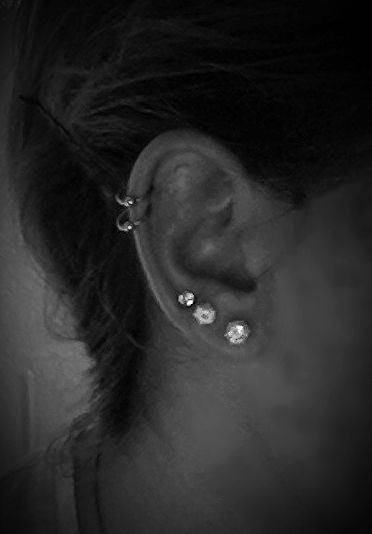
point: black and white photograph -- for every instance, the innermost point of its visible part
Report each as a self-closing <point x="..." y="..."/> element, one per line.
<point x="185" y="267"/>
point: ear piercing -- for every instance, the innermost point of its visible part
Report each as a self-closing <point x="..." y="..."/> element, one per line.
<point x="122" y="222"/>
<point x="186" y="299"/>
<point x="127" y="201"/>
<point x="205" y="314"/>
<point x="236" y="333"/>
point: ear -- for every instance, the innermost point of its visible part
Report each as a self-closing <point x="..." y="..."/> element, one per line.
<point x="208" y="228"/>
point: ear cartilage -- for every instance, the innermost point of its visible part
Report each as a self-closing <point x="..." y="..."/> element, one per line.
<point x="237" y="332"/>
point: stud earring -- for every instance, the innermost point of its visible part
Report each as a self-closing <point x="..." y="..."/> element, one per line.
<point x="187" y="299"/>
<point x="205" y="314"/>
<point x="127" y="201"/>
<point x="237" y="332"/>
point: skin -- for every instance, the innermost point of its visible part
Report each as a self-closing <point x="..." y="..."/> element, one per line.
<point x="272" y="436"/>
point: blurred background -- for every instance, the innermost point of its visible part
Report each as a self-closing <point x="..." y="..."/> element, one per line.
<point x="43" y="381"/>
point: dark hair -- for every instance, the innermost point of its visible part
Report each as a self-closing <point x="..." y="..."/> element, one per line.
<point x="283" y="84"/>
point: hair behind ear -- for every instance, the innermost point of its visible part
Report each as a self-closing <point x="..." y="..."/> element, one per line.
<point x="266" y="79"/>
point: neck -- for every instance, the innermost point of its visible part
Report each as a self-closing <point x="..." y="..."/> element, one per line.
<point x="192" y="455"/>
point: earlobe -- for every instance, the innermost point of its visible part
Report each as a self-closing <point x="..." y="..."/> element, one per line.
<point x="237" y="332"/>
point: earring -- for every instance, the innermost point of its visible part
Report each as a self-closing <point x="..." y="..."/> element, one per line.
<point x="237" y="332"/>
<point x="204" y="313"/>
<point x="127" y="201"/>
<point x="126" y="225"/>
<point x="187" y="299"/>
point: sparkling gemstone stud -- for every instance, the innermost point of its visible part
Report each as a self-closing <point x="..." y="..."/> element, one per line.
<point x="187" y="299"/>
<point x="205" y="314"/>
<point x="237" y="332"/>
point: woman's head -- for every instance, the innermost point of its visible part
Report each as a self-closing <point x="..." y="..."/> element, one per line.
<point x="253" y="124"/>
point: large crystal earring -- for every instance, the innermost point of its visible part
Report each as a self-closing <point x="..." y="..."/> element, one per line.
<point x="237" y="332"/>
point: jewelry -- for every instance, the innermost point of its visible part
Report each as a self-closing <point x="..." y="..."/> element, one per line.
<point x="187" y="299"/>
<point x="237" y="332"/>
<point x="127" y="201"/>
<point x="123" y="223"/>
<point x="205" y="314"/>
<point x="126" y="225"/>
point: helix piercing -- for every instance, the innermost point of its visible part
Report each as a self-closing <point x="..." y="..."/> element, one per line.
<point x="122" y="222"/>
<point x="126" y="225"/>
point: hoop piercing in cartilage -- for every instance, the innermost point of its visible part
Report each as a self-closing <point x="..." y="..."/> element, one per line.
<point x="128" y="201"/>
<point x="127" y="225"/>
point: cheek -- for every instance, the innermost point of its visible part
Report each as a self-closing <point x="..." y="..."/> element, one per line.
<point x="324" y="303"/>
<point x="324" y="296"/>
<point x="315" y="387"/>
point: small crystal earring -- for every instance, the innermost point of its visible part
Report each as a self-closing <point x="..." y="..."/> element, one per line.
<point x="205" y="314"/>
<point x="187" y="299"/>
<point x="237" y="332"/>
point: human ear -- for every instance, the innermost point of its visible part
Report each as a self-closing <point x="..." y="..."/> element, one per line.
<point x="206" y="229"/>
